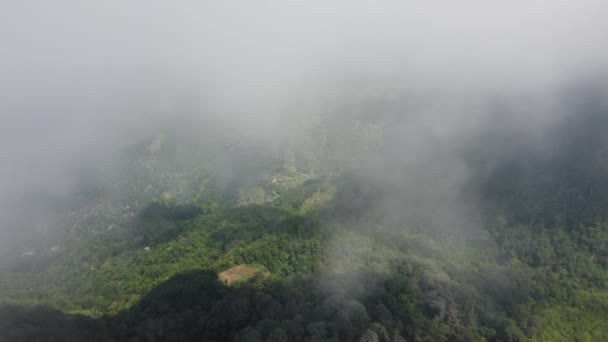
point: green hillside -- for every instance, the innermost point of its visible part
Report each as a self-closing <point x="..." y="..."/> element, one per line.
<point x="138" y="259"/>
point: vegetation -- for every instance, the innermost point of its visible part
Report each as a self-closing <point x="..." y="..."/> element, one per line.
<point x="144" y="265"/>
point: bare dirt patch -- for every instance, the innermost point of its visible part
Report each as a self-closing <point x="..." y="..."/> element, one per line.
<point x="240" y="273"/>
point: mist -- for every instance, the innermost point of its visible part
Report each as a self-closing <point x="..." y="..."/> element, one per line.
<point x="81" y="83"/>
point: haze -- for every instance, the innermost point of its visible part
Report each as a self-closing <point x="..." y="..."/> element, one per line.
<point x="80" y="82"/>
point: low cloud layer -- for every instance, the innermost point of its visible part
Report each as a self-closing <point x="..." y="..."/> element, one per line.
<point x="82" y="81"/>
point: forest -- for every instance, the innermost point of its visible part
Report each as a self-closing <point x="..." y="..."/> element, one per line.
<point x="341" y="249"/>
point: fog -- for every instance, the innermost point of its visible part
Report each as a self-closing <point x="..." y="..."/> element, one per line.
<point x="81" y="82"/>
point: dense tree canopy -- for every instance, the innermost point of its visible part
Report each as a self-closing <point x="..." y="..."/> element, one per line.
<point x="142" y="264"/>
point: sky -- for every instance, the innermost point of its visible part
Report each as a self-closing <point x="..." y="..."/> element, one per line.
<point x="80" y="81"/>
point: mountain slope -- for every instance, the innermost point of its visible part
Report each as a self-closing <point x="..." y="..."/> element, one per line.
<point x="352" y="256"/>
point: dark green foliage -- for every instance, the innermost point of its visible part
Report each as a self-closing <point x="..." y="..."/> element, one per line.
<point x="143" y="266"/>
<point x="195" y="306"/>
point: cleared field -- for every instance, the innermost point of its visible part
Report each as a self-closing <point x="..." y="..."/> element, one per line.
<point x="240" y="273"/>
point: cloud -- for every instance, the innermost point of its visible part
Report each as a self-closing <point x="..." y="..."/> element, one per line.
<point x="81" y="81"/>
